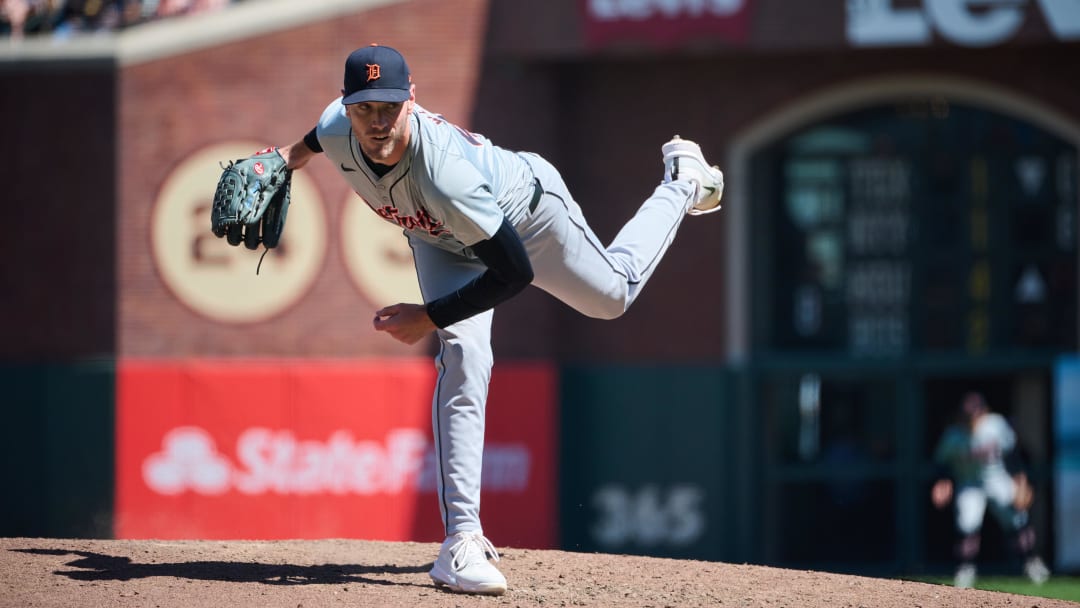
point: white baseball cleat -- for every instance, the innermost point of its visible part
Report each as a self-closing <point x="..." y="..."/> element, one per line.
<point x="463" y="565"/>
<point x="683" y="160"/>
<point x="965" y="576"/>
<point x="1036" y="570"/>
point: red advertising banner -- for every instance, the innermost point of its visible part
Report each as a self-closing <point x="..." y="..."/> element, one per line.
<point x="665" y="23"/>
<point x="320" y="449"/>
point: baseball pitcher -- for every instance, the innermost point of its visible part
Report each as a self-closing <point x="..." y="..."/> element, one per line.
<point x="483" y="223"/>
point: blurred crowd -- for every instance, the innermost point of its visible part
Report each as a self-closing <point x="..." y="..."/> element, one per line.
<point x="62" y="18"/>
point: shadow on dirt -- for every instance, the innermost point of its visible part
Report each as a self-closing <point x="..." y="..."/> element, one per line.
<point x="99" y="567"/>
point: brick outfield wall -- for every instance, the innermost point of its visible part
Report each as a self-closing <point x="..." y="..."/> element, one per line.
<point x="606" y="128"/>
<point x="85" y="295"/>
<point x="270" y="89"/>
<point x="59" y="266"/>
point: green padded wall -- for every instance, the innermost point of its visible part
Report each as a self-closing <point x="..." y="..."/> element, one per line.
<point x="57" y="449"/>
<point x="645" y="460"/>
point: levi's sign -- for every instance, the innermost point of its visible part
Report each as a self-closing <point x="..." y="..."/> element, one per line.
<point x="665" y="23"/>
<point x="972" y="23"/>
<point x="613" y="10"/>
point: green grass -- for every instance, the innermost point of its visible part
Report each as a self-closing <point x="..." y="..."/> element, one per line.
<point x="1058" y="587"/>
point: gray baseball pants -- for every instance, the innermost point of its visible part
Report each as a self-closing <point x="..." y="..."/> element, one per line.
<point x="570" y="263"/>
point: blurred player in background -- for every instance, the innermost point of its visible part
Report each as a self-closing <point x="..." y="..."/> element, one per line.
<point x="979" y="464"/>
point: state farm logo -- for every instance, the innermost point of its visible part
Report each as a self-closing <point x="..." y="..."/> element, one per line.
<point x="188" y="460"/>
<point x="269" y="461"/>
<point x="205" y="272"/>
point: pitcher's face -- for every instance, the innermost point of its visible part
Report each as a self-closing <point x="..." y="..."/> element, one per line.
<point x="381" y="128"/>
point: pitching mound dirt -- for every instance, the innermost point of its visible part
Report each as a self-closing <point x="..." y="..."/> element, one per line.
<point x="38" y="573"/>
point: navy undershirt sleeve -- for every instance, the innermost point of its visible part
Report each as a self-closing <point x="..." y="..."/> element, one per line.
<point x="311" y="140"/>
<point x="508" y="272"/>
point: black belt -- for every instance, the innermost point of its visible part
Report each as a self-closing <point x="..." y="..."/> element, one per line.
<point x="538" y="191"/>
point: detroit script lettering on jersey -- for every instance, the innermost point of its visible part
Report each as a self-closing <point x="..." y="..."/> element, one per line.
<point x="422" y="220"/>
<point x="456" y="189"/>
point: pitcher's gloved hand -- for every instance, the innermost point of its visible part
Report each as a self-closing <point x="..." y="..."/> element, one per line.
<point x="252" y="199"/>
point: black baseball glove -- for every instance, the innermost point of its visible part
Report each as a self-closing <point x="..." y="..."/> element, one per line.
<point x="251" y="200"/>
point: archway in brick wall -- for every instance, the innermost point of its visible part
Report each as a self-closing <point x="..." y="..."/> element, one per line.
<point x="898" y="241"/>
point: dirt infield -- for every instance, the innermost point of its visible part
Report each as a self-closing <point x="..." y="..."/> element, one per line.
<point x="308" y="574"/>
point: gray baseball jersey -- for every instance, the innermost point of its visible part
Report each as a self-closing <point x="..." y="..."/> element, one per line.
<point x="451" y="190"/>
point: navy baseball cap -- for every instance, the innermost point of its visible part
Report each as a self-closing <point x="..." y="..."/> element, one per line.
<point x="376" y="73"/>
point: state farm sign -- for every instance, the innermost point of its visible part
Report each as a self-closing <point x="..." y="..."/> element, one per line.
<point x="268" y="461"/>
<point x="266" y="449"/>
<point x="974" y="23"/>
